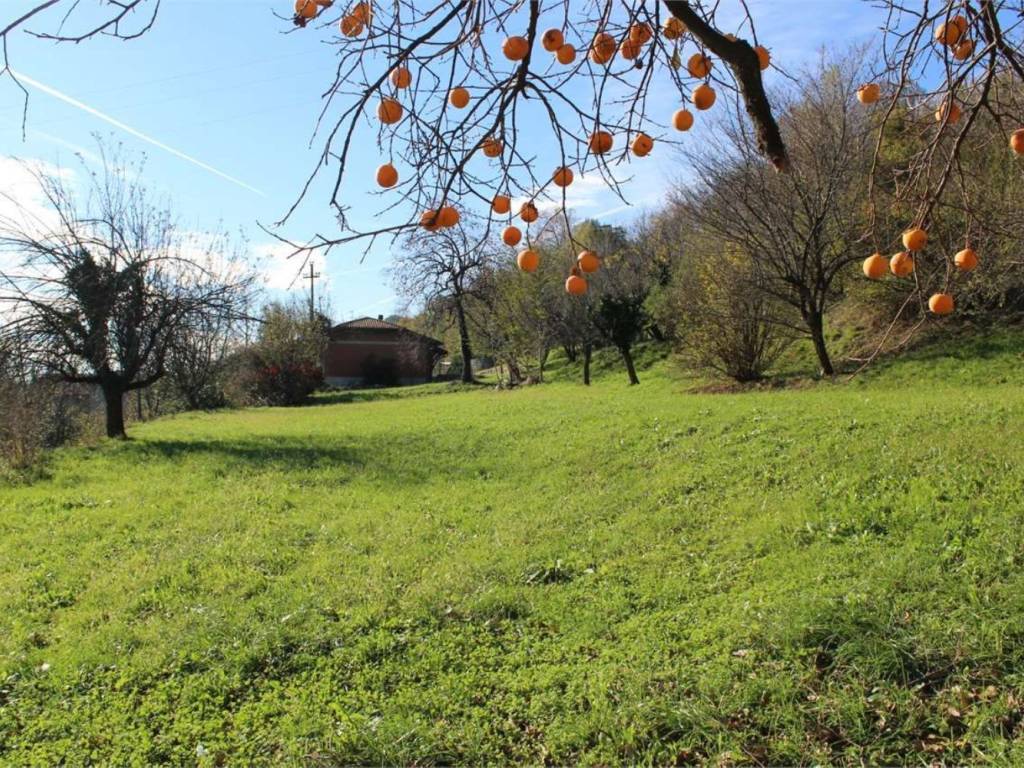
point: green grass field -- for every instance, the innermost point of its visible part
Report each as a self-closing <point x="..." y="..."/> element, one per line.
<point x="551" y="575"/>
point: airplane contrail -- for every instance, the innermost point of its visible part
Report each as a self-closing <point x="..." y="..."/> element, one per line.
<point x="612" y="211"/>
<point x="128" y="129"/>
<point x="78" y="150"/>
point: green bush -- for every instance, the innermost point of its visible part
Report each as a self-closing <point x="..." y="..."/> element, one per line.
<point x="724" y="321"/>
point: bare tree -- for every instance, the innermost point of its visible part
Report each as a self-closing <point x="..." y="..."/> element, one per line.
<point x="441" y="272"/>
<point x="104" y="280"/>
<point x="197" y="358"/>
<point x="800" y="229"/>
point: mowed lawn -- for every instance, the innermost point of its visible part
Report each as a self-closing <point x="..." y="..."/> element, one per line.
<point x="559" y="574"/>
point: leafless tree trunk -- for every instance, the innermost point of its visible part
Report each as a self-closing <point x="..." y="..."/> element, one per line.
<point x="627" y="357"/>
<point x="440" y="273"/>
<point x="816" y="327"/>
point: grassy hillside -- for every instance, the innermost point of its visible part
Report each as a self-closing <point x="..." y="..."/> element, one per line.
<point x="557" y="574"/>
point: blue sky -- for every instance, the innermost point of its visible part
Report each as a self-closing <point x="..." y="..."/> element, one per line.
<point x="218" y="81"/>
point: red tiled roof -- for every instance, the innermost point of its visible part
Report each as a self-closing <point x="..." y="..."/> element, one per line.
<point x="373" y="323"/>
<point x="368" y="322"/>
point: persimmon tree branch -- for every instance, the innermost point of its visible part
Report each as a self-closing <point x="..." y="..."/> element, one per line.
<point x="742" y="58"/>
<point x="454" y="44"/>
<point x="115" y="20"/>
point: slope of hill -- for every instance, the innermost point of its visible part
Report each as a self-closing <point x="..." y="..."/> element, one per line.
<point x="557" y="574"/>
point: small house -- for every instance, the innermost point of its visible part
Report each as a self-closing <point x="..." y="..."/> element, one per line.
<point x="374" y="352"/>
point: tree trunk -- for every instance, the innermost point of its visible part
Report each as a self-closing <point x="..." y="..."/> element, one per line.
<point x="113" y="396"/>
<point x="467" y="353"/>
<point x="627" y="358"/>
<point x="816" y="325"/>
<point x="542" y="360"/>
<point x="588" y="350"/>
<point x="515" y="376"/>
<point x="570" y="352"/>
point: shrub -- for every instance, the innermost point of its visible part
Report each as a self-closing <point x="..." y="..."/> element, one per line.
<point x="39" y="414"/>
<point x="195" y="363"/>
<point x="284" y="366"/>
<point x="725" y="321"/>
<point x="288" y="384"/>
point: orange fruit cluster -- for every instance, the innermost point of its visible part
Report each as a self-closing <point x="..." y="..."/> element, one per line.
<point x="444" y="217"/>
<point x="553" y="41"/>
<point x="587" y="262"/>
<point x="952" y="33"/>
<point x="604" y="46"/>
<point x="352" y="23"/>
<point x="902" y="265"/>
<point x="307" y="10"/>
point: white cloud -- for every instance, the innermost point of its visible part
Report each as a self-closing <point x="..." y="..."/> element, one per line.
<point x="584" y="194"/>
<point x="87" y="155"/>
<point x="279" y="268"/>
<point x="23" y="205"/>
<point x="21" y="195"/>
<point x="24" y="208"/>
<point x="590" y="197"/>
<point x="587" y="192"/>
<point x="613" y="211"/>
<point x="385" y="305"/>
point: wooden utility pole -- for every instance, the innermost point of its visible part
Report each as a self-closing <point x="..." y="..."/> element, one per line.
<point x="312" y="296"/>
